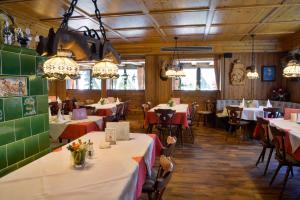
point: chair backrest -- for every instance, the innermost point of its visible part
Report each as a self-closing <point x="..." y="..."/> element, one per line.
<point x="234" y="114"/>
<point x="209" y="106"/>
<point x="145" y="108"/>
<point x="119" y="110"/>
<point x="263" y="131"/>
<point x="68" y="106"/>
<point x="54" y="108"/>
<point x="125" y="108"/>
<point x="193" y="111"/>
<point x="106" y="119"/>
<point x="271" y="112"/>
<point x="163" y="178"/>
<point x="164" y="115"/>
<point x="279" y="142"/>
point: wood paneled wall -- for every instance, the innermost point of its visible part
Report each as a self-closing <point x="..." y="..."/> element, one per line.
<point x="293" y="87"/>
<point x="258" y="88"/>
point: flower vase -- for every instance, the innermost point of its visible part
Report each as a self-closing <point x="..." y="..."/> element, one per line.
<point x="78" y="158"/>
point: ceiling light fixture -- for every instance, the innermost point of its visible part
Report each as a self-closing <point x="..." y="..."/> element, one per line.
<point x="252" y="72"/>
<point x="292" y="69"/>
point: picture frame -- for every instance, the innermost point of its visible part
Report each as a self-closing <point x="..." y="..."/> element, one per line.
<point x="268" y="73"/>
<point x="13" y="86"/>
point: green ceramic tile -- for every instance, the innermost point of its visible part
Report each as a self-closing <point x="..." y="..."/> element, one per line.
<point x="46" y="122"/>
<point x="42" y="153"/>
<point x="45" y="86"/>
<point x="11" y="48"/>
<point x="8" y="170"/>
<point x="42" y="104"/>
<point x="3" y="162"/>
<point x="29" y="106"/>
<point x="25" y="161"/>
<point x="36" y="85"/>
<point x="10" y="63"/>
<point x="37" y="124"/>
<point x="1" y="111"/>
<point x="31" y="146"/>
<point x="22" y="128"/>
<point x="15" y="152"/>
<point x="0" y="62"/>
<point x="28" y="51"/>
<point x="39" y="64"/>
<point x="44" y="141"/>
<point x="27" y="64"/>
<point x="7" y="134"/>
<point x="12" y="108"/>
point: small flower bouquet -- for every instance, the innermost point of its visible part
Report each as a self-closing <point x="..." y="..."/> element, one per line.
<point x="248" y="103"/>
<point x="78" y="152"/>
<point x="102" y="101"/>
<point x="171" y="103"/>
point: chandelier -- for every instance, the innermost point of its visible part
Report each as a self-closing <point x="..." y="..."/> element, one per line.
<point x="252" y="72"/>
<point x="105" y="69"/>
<point x="61" y="66"/>
<point x="86" y="46"/>
<point x="292" y="69"/>
<point x="175" y="70"/>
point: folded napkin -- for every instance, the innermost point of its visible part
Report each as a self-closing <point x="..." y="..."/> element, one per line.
<point x="100" y="100"/>
<point x="243" y="103"/>
<point x="58" y="100"/>
<point x="269" y="105"/>
<point x="118" y="101"/>
<point x="60" y="117"/>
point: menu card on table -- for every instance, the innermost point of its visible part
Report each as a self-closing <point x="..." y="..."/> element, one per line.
<point x="122" y="129"/>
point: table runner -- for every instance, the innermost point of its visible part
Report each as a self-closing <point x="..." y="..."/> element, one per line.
<point x="180" y="117"/>
<point x="111" y="174"/>
<point x="78" y="127"/>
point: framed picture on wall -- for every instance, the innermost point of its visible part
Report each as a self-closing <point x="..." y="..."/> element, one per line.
<point x="268" y="73"/>
<point x="13" y="86"/>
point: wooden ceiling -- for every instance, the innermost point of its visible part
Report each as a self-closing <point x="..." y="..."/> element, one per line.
<point x="130" y="22"/>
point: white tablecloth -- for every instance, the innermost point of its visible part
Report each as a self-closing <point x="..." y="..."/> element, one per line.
<point x="57" y="128"/>
<point x="292" y="127"/>
<point x="111" y="174"/>
<point x="182" y="108"/>
<point x="247" y="114"/>
<point x="112" y="106"/>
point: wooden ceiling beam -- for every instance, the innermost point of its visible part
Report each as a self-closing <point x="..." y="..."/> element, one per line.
<point x="210" y="17"/>
<point x="85" y="14"/>
<point x="154" y="21"/>
<point x="264" y="19"/>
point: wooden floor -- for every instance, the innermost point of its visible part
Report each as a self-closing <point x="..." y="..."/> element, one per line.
<point x="215" y="169"/>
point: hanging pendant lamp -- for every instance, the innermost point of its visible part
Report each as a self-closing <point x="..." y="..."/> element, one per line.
<point x="252" y="72"/>
<point x="292" y="69"/>
<point x="175" y="70"/>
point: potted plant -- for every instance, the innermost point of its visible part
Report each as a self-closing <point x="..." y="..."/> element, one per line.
<point x="78" y="152"/>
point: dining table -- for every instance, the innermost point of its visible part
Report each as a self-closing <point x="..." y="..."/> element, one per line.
<point x="180" y="117"/>
<point x="115" y="173"/>
<point x="72" y="129"/>
<point x="105" y="109"/>
<point x="249" y="113"/>
<point x="292" y="139"/>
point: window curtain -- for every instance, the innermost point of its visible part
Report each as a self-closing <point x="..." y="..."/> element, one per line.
<point x="217" y="66"/>
<point x="141" y="78"/>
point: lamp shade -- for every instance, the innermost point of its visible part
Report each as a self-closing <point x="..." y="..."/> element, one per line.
<point x="105" y="69"/>
<point x="61" y="67"/>
<point x="292" y="70"/>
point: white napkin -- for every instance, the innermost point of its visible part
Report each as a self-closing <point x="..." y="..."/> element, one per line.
<point x="60" y="117"/>
<point x="243" y="103"/>
<point x="269" y="105"/>
<point x="118" y="101"/>
<point x="294" y="117"/>
<point x="58" y="100"/>
<point x="100" y="100"/>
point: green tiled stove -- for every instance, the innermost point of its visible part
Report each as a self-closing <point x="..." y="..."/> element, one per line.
<point x="23" y="137"/>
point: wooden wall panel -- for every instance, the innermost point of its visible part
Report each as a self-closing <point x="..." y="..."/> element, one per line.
<point x="293" y="87"/>
<point x="260" y="90"/>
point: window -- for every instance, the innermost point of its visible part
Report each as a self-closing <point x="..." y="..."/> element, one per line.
<point x="200" y="75"/>
<point x="85" y="82"/>
<point x="132" y="77"/>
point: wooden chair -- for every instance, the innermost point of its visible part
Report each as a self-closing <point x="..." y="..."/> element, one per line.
<point x="125" y="110"/>
<point x="164" y="124"/>
<point x="106" y="119"/>
<point x="54" y="108"/>
<point x="282" y="157"/>
<point x="119" y="110"/>
<point x="205" y="114"/>
<point x="155" y="188"/>
<point x="271" y="112"/>
<point x="145" y="108"/>
<point x="68" y="106"/>
<point x="235" y="122"/>
<point x="191" y="119"/>
<point x="265" y="142"/>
